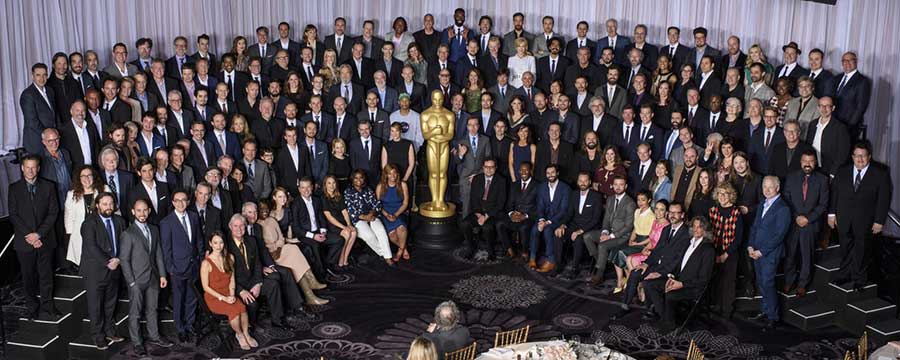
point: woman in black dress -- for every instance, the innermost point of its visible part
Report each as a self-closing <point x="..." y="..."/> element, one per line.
<point x="703" y="196"/>
<point x="339" y="163"/>
<point x="339" y="224"/>
<point x="500" y="143"/>
<point x="400" y="152"/>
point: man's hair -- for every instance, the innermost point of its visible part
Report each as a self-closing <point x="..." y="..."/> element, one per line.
<point x="446" y="315"/>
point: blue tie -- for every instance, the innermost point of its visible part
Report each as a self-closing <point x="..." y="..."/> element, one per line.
<point x="112" y="239"/>
<point x="474" y="144"/>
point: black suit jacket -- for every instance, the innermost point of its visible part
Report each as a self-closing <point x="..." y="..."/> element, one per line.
<point x="544" y="77"/>
<point x="393" y="76"/>
<point x="853" y="99"/>
<point x="97" y="247"/>
<point x="69" y="141"/>
<point x="568" y="165"/>
<point x="120" y="112"/>
<point x="778" y="163"/>
<point x="417" y="98"/>
<point x="817" y="192"/>
<point x="712" y="86"/>
<point x="669" y="248"/>
<point x="356" y="100"/>
<point x="164" y="201"/>
<point x="759" y="154"/>
<point x="346" y="46"/>
<point x="381" y="126"/>
<point x="835" y="144"/>
<point x="591" y="214"/>
<point x="247" y="273"/>
<point x="359" y="159"/>
<point x="213" y="64"/>
<point x="496" y="198"/>
<point x="326" y="125"/>
<point x="289" y="173"/>
<point x="489" y="71"/>
<point x="635" y="183"/>
<point x="824" y="84"/>
<point x="572" y="49"/>
<point x="523" y="201"/>
<point x="300" y="224"/>
<point x="238" y="90"/>
<point x="698" y="270"/>
<point x="169" y="85"/>
<point x="195" y="159"/>
<point x="38" y="214"/>
<point x="606" y="131"/>
<point x="211" y="221"/>
<point x="682" y="55"/>
<point x="363" y="78"/>
<point x="860" y="208"/>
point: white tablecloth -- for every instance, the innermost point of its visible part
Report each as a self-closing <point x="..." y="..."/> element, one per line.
<point x="509" y="353"/>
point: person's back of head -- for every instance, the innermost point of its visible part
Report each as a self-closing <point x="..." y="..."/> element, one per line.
<point x="422" y="349"/>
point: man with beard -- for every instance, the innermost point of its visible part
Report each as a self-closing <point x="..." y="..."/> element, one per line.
<point x="806" y="192"/>
<point x="457" y="35"/>
<point x="618" y="222"/>
<point x="100" y="117"/>
<point x="101" y="233"/>
<point x="521" y="204"/>
<point x="551" y="67"/>
<point x="602" y="123"/>
<point x="585" y="209"/>
<point x="116" y="140"/>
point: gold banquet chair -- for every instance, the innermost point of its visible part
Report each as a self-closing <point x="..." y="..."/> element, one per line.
<point x="466" y="353"/>
<point x="512" y="337"/>
<point x="694" y="352"/>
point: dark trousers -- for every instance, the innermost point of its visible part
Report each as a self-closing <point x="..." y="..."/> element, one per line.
<point x="289" y="288"/>
<point x="505" y="225"/>
<point x="633" y="280"/>
<point x="578" y="247"/>
<point x="102" y="295"/>
<point x="800" y="241"/>
<point x="549" y="242"/>
<point x="745" y="270"/>
<point x="766" y="267"/>
<point x="184" y="301"/>
<point x="142" y="299"/>
<point x="37" y="277"/>
<point x="311" y="249"/>
<point x="854" y="262"/>
<point x="469" y="227"/>
<point x="667" y="303"/>
<point x="726" y="274"/>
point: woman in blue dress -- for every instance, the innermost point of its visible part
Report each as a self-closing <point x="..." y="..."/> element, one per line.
<point x="520" y="151"/>
<point x="394" y="197"/>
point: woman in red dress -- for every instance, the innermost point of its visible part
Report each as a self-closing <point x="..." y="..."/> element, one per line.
<point x="217" y="276"/>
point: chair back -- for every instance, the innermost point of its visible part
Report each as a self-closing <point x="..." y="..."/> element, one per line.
<point x="512" y="337"/>
<point x="694" y="352"/>
<point x="466" y="353"/>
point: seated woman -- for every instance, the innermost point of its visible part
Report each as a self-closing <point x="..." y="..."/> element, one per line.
<point x="394" y="197"/>
<point x="217" y="278"/>
<point x="660" y="222"/>
<point x="661" y="184"/>
<point x="288" y="256"/>
<point x="364" y="208"/>
<point x="422" y="349"/>
<point x="339" y="223"/>
<point x="640" y="237"/>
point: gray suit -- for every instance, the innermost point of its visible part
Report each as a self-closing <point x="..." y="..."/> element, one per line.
<point x="262" y="181"/>
<point x="142" y="265"/>
<point x="113" y="71"/>
<point x="618" y="221"/>
<point x="540" y="47"/>
<point x="677" y="155"/>
<point x="470" y="165"/>
<point x="615" y="105"/>
<point x="509" y="42"/>
<point x="501" y="103"/>
<point x="809" y="114"/>
<point x="764" y="93"/>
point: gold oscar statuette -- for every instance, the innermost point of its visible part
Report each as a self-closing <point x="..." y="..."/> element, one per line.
<point x="437" y="129"/>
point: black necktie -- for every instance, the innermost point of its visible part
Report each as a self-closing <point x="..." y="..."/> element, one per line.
<point x="366" y="149"/>
<point x="31" y="190"/>
<point x="857" y="180"/>
<point x="111" y="234"/>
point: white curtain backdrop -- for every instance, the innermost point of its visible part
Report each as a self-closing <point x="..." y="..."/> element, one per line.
<point x="33" y="30"/>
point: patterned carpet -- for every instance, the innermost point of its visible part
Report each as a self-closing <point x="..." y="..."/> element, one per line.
<point x="376" y="311"/>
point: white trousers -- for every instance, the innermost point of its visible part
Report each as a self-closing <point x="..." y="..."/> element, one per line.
<point x="374" y="235"/>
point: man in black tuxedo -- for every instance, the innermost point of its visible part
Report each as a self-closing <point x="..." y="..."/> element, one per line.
<point x="324" y="120"/>
<point x="37" y="103"/>
<point x="581" y="40"/>
<point x="379" y="120"/>
<point x="262" y="49"/>
<point x="685" y="279"/>
<point x="829" y="137"/>
<point x="823" y="78"/>
<point x="79" y="137"/>
<point x="284" y="42"/>
<point x="307" y="68"/>
<point x="551" y="67"/>
<point x="364" y="151"/>
<point x="677" y="52"/>
<point x="806" y="193"/>
<point x="147" y="188"/>
<point x="292" y="162"/>
<point x="33" y="212"/>
<point x="642" y="170"/>
<point x="791" y="69"/>
<point x="762" y="142"/>
<point x="852" y="95"/>
<point x="362" y="67"/>
<point x="673" y="240"/>
<point x="708" y="82"/>
<point x="101" y="233"/>
<point x="627" y="135"/>
<point x="339" y="41"/>
<point x="119" y="110"/>
<point x="203" y="53"/>
<point x="309" y="225"/>
<point x="487" y="199"/>
<point x="860" y="200"/>
<point x="202" y="153"/>
<point x="521" y="204"/>
<point x="785" y="157"/>
<point x="585" y="212"/>
<point x="236" y="81"/>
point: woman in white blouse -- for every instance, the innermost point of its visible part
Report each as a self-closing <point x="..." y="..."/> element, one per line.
<point x="86" y="185"/>
<point x="520" y="63"/>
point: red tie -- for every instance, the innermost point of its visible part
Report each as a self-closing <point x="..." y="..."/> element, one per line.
<point x="487" y="189"/>
<point x="805" y="186"/>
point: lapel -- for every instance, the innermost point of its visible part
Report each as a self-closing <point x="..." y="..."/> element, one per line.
<point x="143" y="237"/>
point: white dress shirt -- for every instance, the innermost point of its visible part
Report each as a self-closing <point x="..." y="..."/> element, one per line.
<point x="84" y="140"/>
<point x="695" y="243"/>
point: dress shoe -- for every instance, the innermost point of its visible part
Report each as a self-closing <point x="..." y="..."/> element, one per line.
<point x="596" y="279"/>
<point x="182" y="338"/>
<point x="801" y="291"/>
<point x="101" y="344"/>
<point x="569" y="272"/>
<point x="161" y="342"/>
<point x="619" y="314"/>
<point x="140" y="350"/>
<point x="758" y="316"/>
<point x="786" y="289"/>
<point x="532" y="264"/>
<point x="547" y="267"/>
<point x="769" y="326"/>
<point x="649" y="316"/>
<point x="115" y="338"/>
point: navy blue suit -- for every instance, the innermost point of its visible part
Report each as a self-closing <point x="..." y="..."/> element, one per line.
<point x="38" y="115"/>
<point x="622" y="42"/>
<point x="318" y="161"/>
<point x="182" y="258"/>
<point x="232" y="144"/>
<point x="158" y="142"/>
<point x="326" y="125"/>
<point x="457" y="44"/>
<point x="628" y="147"/>
<point x="759" y="153"/>
<point x="852" y="100"/>
<point x="554" y="211"/>
<point x="767" y="236"/>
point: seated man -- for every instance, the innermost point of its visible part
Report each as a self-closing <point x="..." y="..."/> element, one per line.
<point x="618" y="222"/>
<point x="553" y="197"/>
<point x="521" y="204"/>
<point x="684" y="280"/>
<point x="252" y="280"/>
<point x="309" y="227"/>
<point x="673" y="240"/>
<point x="487" y="198"/>
<point x="585" y="214"/>
<point x="445" y="332"/>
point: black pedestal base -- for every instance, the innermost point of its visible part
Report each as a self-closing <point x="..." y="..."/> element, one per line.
<point x="436" y="234"/>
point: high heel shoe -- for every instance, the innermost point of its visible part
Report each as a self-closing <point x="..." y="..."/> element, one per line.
<point x="405" y="254"/>
<point x="311" y="298"/>
<point x="242" y="342"/>
<point x="252" y="342"/>
<point x="313" y="282"/>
